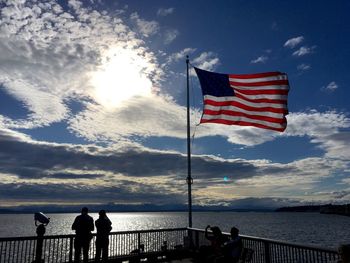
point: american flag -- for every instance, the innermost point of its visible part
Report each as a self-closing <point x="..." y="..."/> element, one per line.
<point x="258" y="100"/>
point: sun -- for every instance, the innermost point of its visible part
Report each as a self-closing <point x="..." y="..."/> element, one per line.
<point x="120" y="77"/>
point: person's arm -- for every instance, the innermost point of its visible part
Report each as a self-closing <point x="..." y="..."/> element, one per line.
<point x="110" y="225"/>
<point x="75" y="223"/>
<point x="206" y="232"/>
<point x="92" y="227"/>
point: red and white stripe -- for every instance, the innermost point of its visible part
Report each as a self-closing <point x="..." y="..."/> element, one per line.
<point x="260" y="100"/>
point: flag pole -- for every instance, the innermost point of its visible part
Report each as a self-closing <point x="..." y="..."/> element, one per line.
<point x="189" y="179"/>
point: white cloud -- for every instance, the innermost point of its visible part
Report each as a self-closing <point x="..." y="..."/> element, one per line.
<point x="323" y="129"/>
<point x="151" y="116"/>
<point x="207" y="61"/>
<point x="175" y="57"/>
<point x="165" y="11"/>
<point x="336" y="145"/>
<point x="48" y="56"/>
<point x="303" y="67"/>
<point x="261" y="59"/>
<point x="146" y="28"/>
<point x="293" y="42"/>
<point x="304" y="50"/>
<point x="170" y="35"/>
<point x="331" y="87"/>
<point x="316" y="124"/>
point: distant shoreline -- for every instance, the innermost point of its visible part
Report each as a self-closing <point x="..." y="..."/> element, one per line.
<point x="322" y="209"/>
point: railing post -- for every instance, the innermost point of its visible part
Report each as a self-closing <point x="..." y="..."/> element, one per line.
<point x="138" y="239"/>
<point x="71" y="241"/>
<point x="197" y="239"/>
<point x="267" y="252"/>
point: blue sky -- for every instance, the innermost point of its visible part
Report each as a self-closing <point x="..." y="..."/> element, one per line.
<point x="92" y="102"/>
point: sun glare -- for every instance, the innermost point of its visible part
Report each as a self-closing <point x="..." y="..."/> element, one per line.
<point x="120" y="77"/>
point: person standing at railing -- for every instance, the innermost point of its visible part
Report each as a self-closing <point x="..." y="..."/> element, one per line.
<point x="233" y="247"/>
<point x="83" y="226"/>
<point x="103" y="227"/>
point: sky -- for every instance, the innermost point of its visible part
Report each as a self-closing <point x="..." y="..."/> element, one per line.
<point x="93" y="102"/>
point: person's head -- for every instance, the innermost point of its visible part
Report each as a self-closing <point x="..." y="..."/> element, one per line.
<point x="102" y="213"/>
<point x="234" y="232"/>
<point x="84" y="211"/>
<point x="344" y="252"/>
<point x="216" y="231"/>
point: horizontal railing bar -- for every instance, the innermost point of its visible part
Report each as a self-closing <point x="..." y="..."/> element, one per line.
<point x="94" y="234"/>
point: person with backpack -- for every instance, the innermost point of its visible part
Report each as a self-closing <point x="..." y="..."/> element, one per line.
<point x="103" y="227"/>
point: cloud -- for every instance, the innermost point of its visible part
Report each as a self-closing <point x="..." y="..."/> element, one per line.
<point x="207" y="61"/>
<point x="48" y="56"/>
<point x="66" y="161"/>
<point x="65" y="170"/>
<point x="141" y="117"/>
<point x="336" y="145"/>
<point x="48" y="63"/>
<point x="314" y="124"/>
<point x="303" y="67"/>
<point x="293" y="42"/>
<point x="304" y="50"/>
<point x="324" y="129"/>
<point x="331" y="87"/>
<point x="122" y="192"/>
<point x="170" y="35"/>
<point x="146" y="28"/>
<point x="165" y="11"/>
<point x="261" y="59"/>
<point x="175" y="57"/>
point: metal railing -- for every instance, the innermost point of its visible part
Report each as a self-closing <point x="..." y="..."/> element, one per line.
<point x="274" y="251"/>
<point x="60" y="248"/>
<point x="123" y="244"/>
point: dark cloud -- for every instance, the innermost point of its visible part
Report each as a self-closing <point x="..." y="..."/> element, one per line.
<point x="27" y="159"/>
<point x="74" y="175"/>
<point x="125" y="192"/>
<point x="51" y="172"/>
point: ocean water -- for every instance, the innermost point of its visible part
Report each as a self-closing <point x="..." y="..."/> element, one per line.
<point x="305" y="228"/>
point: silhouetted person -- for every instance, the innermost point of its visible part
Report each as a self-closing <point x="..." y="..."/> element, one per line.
<point x="83" y="225"/>
<point x="103" y="227"/>
<point x="233" y="247"/>
<point x="214" y="251"/>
